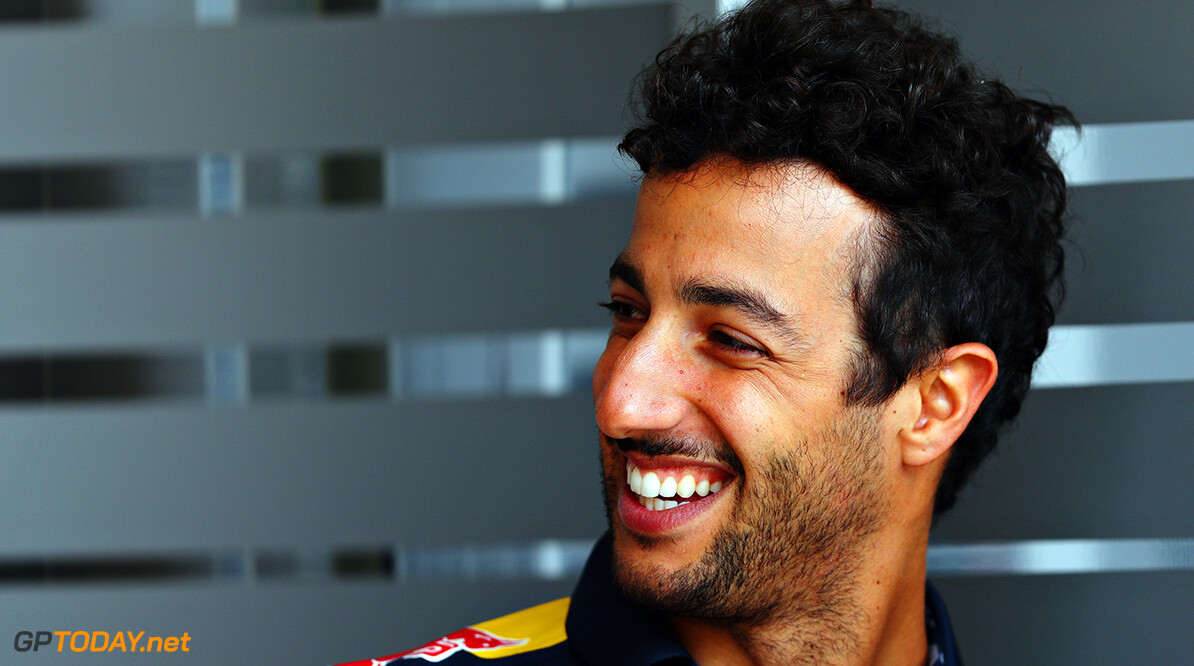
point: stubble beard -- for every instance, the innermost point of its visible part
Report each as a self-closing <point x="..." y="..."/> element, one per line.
<point x="793" y="549"/>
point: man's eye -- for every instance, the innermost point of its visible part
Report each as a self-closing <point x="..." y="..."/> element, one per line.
<point x="733" y="344"/>
<point x="621" y="310"/>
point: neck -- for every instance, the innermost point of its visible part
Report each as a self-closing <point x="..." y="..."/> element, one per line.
<point x="874" y="617"/>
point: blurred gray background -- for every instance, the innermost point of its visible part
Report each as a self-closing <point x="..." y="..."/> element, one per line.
<point x="297" y="316"/>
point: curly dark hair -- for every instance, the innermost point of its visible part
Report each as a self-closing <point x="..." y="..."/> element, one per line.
<point x="973" y="205"/>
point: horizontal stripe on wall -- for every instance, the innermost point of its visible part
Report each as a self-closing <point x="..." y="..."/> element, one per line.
<point x="1099" y="355"/>
<point x="546" y="560"/>
<point x="1126" y="152"/>
<point x="527" y="364"/>
<point x="547" y="172"/>
<point x="1060" y="556"/>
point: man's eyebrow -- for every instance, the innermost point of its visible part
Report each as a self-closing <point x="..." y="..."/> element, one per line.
<point x="626" y="272"/>
<point x="749" y="303"/>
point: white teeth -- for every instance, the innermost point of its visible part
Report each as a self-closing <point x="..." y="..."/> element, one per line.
<point x="636" y="480"/>
<point x="650" y="489"/>
<point x="656" y="504"/>
<point x="686" y="487"/>
<point x="650" y="485"/>
<point x="668" y="487"/>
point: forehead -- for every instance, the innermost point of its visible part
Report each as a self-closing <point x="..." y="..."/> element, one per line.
<point x="780" y="226"/>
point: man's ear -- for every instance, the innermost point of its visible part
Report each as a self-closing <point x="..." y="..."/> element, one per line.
<point x="950" y="394"/>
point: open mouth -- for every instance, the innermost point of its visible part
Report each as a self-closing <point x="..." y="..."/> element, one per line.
<point x="663" y="488"/>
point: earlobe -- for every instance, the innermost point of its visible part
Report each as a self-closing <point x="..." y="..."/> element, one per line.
<point x="949" y="395"/>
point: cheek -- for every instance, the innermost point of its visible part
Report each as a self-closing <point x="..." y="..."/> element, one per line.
<point x="743" y="411"/>
<point x="761" y="418"/>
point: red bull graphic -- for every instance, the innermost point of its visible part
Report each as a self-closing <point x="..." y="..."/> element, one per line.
<point x="468" y="639"/>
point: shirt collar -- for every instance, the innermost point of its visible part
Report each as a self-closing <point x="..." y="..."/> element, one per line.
<point x="943" y="647"/>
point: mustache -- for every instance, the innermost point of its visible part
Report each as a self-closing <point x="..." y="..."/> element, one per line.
<point x="689" y="447"/>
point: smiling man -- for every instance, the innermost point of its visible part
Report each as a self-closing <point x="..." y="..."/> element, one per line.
<point x="844" y="263"/>
<point x="728" y="369"/>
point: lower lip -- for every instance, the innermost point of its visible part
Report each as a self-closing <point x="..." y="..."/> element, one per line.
<point x="638" y="518"/>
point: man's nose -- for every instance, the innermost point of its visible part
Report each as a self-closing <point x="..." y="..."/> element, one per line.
<point x="643" y="390"/>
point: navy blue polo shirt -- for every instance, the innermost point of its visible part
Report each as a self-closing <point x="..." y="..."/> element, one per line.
<point x="597" y="626"/>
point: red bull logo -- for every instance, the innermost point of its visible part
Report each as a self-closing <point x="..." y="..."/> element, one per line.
<point x="468" y="639"/>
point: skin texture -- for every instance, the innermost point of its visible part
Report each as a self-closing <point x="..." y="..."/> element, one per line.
<point x="732" y="338"/>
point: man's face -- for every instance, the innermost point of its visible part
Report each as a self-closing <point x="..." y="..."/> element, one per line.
<point x="738" y="483"/>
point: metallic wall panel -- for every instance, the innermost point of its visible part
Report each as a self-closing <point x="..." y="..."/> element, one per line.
<point x="91" y="480"/>
<point x="135" y="90"/>
<point x="1097" y="619"/>
<point x="1108" y="61"/>
<point x="1107" y="462"/>
<point x="1130" y="259"/>
<point x="125" y="281"/>
<point x="1060" y="556"/>
<point x="1105" y="354"/>
<point x="1126" y="152"/>
<point x="1101" y="462"/>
